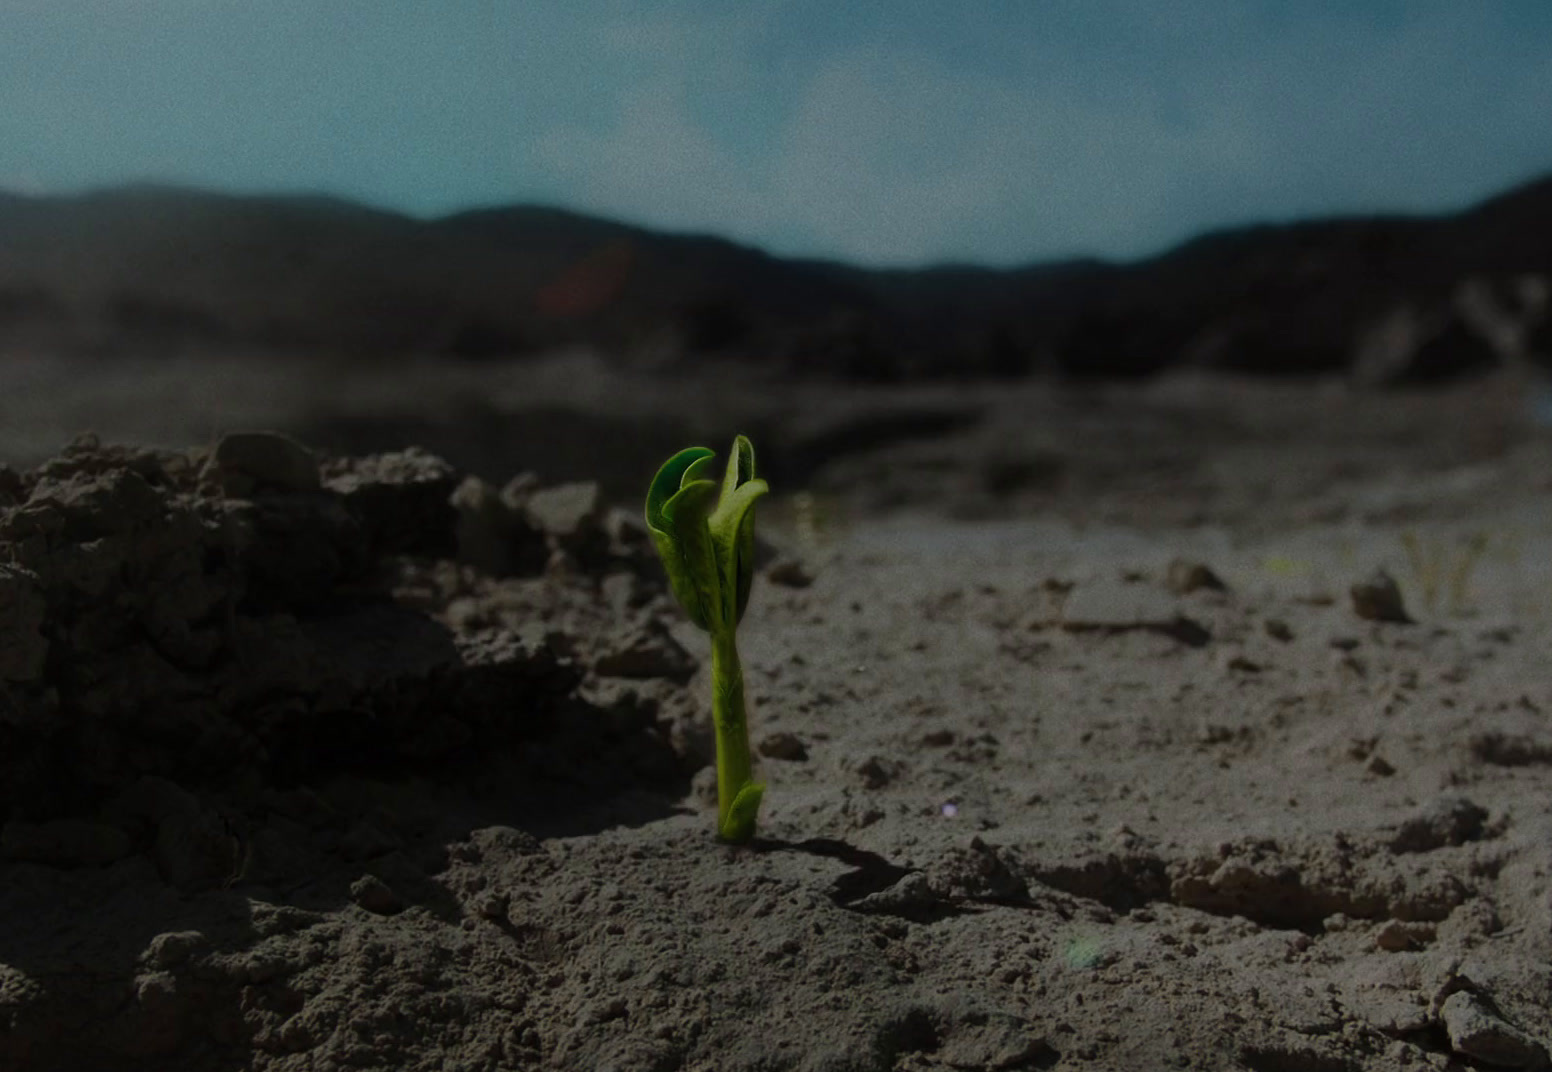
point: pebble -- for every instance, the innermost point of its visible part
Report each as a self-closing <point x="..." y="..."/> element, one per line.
<point x="783" y="745"/>
<point x="1476" y="1032"/>
<point x="1378" y="599"/>
<point x="1185" y="576"/>
<point x="376" y="896"/>
<point x="566" y="510"/>
<point x="247" y="461"/>
<point x="789" y="573"/>
<point x="647" y="653"/>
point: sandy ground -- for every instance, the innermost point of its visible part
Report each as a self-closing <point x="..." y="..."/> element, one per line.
<point x="1080" y="752"/>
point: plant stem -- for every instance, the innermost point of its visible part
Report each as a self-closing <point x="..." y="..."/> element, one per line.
<point x="729" y="721"/>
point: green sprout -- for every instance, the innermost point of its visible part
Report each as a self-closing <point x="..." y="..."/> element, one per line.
<point x="708" y="552"/>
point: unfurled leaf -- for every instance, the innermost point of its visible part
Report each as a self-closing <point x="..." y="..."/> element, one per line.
<point x="665" y="488"/>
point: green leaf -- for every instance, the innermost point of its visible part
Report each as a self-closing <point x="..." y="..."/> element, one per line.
<point x="740" y="466"/>
<point x="732" y="527"/>
<point x="694" y="554"/>
<point x="732" y="534"/>
<point x="677" y="504"/>
<point x="738" y="823"/>
<point x="668" y="480"/>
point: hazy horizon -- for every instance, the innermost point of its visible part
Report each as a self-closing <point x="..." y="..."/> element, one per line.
<point x="884" y="136"/>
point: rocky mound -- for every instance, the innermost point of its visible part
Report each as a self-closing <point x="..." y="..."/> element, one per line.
<point x="206" y="630"/>
<point x="1386" y="298"/>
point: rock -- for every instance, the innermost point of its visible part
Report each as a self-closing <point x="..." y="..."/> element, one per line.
<point x="1378" y="599"/>
<point x="1185" y="576"/>
<point x="912" y="897"/>
<point x="567" y="512"/>
<point x="517" y="491"/>
<point x="876" y="772"/>
<point x="246" y="462"/>
<point x="977" y="872"/>
<point x="195" y="850"/>
<point x="1411" y="344"/>
<point x="294" y="551"/>
<point x="23" y="648"/>
<point x="172" y="948"/>
<point x="65" y="843"/>
<point x="785" y="746"/>
<point x="1477" y="1032"/>
<point x="1510" y="749"/>
<point x="376" y="896"/>
<point x="192" y="845"/>
<point x="1448" y="820"/>
<point x="1277" y="629"/>
<point x="1397" y="936"/>
<point x="498" y="844"/>
<point x="628" y="536"/>
<point x="645" y="653"/>
<point x="483" y="520"/>
<point x="403" y="500"/>
<point x="789" y="573"/>
<point x="1380" y="766"/>
<point x="12" y="489"/>
<point x="494" y="537"/>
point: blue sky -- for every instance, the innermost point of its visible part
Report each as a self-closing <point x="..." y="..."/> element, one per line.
<point x="879" y="131"/>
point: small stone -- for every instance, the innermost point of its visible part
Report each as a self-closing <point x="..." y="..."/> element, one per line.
<point x="1476" y="1032"/>
<point x="1378" y="599"/>
<point x="783" y="745"/>
<point x="515" y="492"/>
<point x="566" y="510"/>
<point x="1185" y="576"/>
<point x="1278" y="629"/>
<point x="876" y="773"/>
<point x="246" y="462"/>
<point x="1394" y="936"/>
<point x="492" y="904"/>
<point x="789" y="573"/>
<point x="172" y="948"/>
<point x="647" y="653"/>
<point x="605" y="1010"/>
<point x="376" y="896"/>
<point x="1378" y="765"/>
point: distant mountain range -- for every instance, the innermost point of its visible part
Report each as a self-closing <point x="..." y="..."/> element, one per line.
<point x="1383" y="298"/>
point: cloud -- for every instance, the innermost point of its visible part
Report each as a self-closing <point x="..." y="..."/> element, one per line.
<point x="1114" y="130"/>
<point x="890" y="134"/>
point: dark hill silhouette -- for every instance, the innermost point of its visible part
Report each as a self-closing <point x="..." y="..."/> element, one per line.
<point x="149" y="266"/>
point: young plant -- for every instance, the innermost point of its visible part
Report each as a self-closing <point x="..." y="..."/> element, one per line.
<point x="708" y="550"/>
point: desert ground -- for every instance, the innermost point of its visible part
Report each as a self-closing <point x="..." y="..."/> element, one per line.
<point x="1197" y="723"/>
